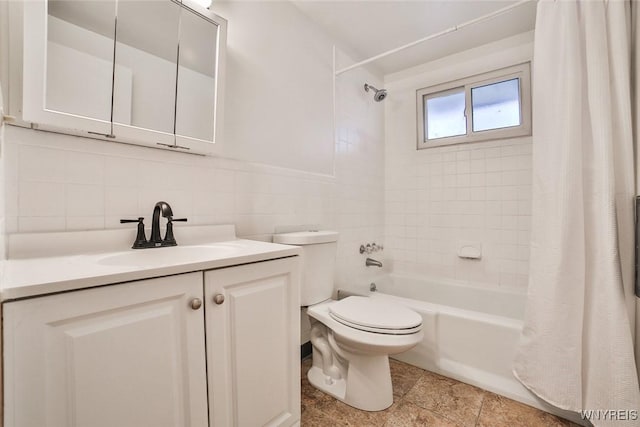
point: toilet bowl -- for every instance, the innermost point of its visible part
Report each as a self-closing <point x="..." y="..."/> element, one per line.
<point x="351" y="338"/>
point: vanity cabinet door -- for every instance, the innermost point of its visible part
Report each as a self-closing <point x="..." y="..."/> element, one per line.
<point x="253" y="353"/>
<point x="126" y="355"/>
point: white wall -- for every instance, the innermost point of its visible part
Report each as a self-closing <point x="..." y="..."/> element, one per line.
<point x="4" y="93"/>
<point x="439" y="197"/>
<point x="2" y="186"/>
<point x="278" y="98"/>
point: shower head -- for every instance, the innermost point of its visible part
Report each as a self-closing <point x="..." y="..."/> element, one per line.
<point x="379" y="95"/>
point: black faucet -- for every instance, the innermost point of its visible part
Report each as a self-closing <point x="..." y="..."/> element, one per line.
<point x="165" y="209"/>
<point x="155" y="241"/>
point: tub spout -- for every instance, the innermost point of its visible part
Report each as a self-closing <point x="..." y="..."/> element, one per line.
<point x="372" y="262"/>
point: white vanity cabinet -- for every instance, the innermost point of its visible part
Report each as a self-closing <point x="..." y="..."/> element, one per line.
<point x="166" y="351"/>
<point x="126" y="355"/>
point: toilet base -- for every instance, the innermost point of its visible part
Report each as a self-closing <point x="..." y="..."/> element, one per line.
<point x="365" y="385"/>
<point x="334" y="388"/>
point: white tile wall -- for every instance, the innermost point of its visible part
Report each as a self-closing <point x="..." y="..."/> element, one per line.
<point x="437" y="198"/>
<point x="359" y="170"/>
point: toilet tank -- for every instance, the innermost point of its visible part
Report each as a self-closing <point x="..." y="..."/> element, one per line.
<point x="318" y="262"/>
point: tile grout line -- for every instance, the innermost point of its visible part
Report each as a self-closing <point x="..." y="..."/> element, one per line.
<point x="484" y="396"/>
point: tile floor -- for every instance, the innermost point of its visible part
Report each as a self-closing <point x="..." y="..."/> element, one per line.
<point x="422" y="398"/>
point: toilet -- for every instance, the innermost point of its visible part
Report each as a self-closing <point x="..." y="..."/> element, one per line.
<point x="351" y="338"/>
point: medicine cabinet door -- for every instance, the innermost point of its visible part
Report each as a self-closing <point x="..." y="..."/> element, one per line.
<point x="200" y="71"/>
<point x="68" y="63"/>
<point x="146" y="54"/>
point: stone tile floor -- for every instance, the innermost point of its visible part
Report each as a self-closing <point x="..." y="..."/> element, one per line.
<point x="422" y="398"/>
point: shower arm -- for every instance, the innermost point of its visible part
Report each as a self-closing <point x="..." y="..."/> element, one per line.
<point x="367" y="86"/>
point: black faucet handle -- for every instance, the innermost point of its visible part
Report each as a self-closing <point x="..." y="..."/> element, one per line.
<point x="169" y="240"/>
<point x="125" y="221"/>
<point x="141" y="238"/>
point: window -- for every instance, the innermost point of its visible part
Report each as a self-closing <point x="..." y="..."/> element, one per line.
<point x="488" y="106"/>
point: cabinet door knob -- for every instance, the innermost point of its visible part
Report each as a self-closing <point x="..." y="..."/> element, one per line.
<point x="218" y="299"/>
<point x="196" y="303"/>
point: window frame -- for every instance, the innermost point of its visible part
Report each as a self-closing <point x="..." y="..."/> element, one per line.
<point x="520" y="71"/>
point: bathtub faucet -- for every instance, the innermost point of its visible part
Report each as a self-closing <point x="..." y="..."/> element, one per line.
<point x="372" y="262"/>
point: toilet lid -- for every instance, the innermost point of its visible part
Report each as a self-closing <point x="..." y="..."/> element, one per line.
<point x="375" y="316"/>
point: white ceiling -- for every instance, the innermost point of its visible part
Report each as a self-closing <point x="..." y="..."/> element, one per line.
<point x="370" y="27"/>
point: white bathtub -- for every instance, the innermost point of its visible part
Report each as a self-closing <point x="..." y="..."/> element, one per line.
<point x="470" y="333"/>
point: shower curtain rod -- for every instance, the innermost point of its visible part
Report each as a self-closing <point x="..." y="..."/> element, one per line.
<point x="433" y="36"/>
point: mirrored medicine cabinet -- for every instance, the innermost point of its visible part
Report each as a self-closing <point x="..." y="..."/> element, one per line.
<point x="147" y="72"/>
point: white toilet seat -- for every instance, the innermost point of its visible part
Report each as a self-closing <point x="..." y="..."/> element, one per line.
<point x="372" y="342"/>
<point x="406" y="331"/>
<point x="375" y="316"/>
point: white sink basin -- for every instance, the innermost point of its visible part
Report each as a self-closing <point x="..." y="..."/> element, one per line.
<point x="170" y="255"/>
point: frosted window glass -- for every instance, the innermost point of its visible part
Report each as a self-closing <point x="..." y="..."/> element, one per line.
<point x="445" y="115"/>
<point x="496" y="105"/>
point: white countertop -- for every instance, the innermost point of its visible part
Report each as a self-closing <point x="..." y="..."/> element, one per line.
<point x="32" y="276"/>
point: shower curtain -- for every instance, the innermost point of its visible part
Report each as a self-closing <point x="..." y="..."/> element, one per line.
<point x="577" y="346"/>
